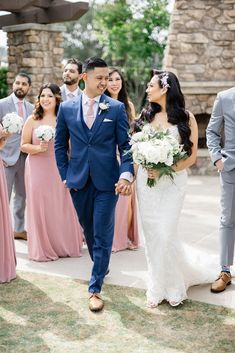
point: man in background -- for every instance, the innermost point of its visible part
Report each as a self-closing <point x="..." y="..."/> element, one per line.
<point x="223" y="157"/>
<point x="13" y="158"/>
<point x="71" y="76"/>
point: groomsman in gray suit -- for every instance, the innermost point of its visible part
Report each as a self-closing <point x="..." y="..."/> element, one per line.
<point x="13" y="159"/>
<point x="71" y="76"/>
<point x="223" y="156"/>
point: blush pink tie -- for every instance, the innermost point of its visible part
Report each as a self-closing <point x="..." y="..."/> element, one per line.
<point x="90" y="117"/>
<point x="20" y="109"/>
<point x="70" y="95"/>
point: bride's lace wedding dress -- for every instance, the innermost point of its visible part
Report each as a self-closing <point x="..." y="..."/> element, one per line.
<point x="171" y="269"/>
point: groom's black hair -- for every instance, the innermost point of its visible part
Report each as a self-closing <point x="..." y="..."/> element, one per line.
<point x="92" y="63"/>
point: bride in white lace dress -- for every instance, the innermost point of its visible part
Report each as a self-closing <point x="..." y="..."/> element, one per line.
<point x="170" y="271"/>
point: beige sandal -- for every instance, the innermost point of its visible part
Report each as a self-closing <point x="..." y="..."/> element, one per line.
<point x="131" y="246"/>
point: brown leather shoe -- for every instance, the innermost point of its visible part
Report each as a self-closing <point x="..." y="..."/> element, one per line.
<point x="20" y="235"/>
<point x="95" y="302"/>
<point x="221" y="283"/>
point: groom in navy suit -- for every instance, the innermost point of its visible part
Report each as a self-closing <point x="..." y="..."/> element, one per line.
<point x="95" y="125"/>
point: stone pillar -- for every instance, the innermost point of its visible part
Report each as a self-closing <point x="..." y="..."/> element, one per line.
<point x="36" y="49"/>
<point x="201" y="50"/>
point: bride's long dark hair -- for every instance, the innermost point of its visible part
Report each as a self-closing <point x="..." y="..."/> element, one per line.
<point x="175" y="108"/>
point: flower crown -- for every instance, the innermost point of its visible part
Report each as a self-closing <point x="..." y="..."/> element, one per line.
<point x="164" y="79"/>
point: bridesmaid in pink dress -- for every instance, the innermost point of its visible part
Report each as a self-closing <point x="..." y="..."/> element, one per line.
<point x="7" y="248"/>
<point x="126" y="234"/>
<point x="52" y="224"/>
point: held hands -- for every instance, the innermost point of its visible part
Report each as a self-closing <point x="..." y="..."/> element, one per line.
<point x="123" y="187"/>
<point x="43" y="146"/>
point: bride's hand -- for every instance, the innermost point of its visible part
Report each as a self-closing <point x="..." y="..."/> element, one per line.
<point x="152" y="173"/>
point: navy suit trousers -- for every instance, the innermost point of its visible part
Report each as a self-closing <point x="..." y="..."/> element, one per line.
<point x="96" y="211"/>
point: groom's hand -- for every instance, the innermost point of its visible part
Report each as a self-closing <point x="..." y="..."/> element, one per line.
<point x="123" y="187"/>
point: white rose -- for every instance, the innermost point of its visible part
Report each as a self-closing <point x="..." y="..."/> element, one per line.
<point x="12" y="123"/>
<point x="146" y="128"/>
<point x="150" y="152"/>
<point x="169" y="160"/>
<point x="137" y="157"/>
<point x="48" y="134"/>
<point x="104" y="106"/>
<point x="136" y="137"/>
<point x="45" y="132"/>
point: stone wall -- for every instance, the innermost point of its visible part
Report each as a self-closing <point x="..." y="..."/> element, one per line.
<point x="38" y="50"/>
<point x="201" y="50"/>
<point x="203" y="165"/>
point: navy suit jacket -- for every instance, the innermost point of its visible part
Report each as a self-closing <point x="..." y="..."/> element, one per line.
<point x="92" y="152"/>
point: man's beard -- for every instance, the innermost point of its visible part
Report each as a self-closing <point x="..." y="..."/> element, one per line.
<point x="20" y="94"/>
<point x="70" y="82"/>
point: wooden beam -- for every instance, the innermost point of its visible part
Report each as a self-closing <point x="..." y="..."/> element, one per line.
<point x="54" y="14"/>
<point x="65" y="12"/>
<point x="19" y="5"/>
<point x="15" y="5"/>
<point x="44" y="3"/>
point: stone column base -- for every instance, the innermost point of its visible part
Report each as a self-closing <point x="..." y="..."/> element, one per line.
<point x="38" y="50"/>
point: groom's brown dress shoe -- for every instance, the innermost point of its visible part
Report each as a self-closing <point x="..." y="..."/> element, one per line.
<point x="20" y="235"/>
<point x="222" y="282"/>
<point x="95" y="302"/>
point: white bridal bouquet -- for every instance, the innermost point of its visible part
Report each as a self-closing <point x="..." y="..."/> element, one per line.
<point x="157" y="150"/>
<point x="12" y="123"/>
<point x="45" y="133"/>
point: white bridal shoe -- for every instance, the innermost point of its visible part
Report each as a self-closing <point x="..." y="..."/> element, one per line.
<point x="174" y="304"/>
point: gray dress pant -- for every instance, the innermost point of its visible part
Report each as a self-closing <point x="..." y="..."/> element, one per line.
<point x="15" y="179"/>
<point x="227" y="220"/>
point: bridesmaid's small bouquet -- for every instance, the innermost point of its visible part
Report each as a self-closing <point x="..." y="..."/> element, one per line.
<point x="12" y="123"/>
<point x="156" y="149"/>
<point x="45" y="132"/>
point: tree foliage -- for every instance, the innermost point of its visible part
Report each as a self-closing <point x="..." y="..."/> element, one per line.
<point x="81" y="39"/>
<point x="128" y="34"/>
<point x="3" y="82"/>
<point x="133" y="35"/>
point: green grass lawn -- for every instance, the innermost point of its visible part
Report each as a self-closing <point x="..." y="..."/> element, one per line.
<point x="42" y="314"/>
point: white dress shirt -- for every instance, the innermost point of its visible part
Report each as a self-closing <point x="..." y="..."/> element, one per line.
<point x="68" y="93"/>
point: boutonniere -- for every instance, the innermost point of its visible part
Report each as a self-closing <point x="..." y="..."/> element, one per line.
<point x="103" y="107"/>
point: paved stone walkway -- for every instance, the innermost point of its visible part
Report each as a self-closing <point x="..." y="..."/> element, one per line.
<point x="198" y="226"/>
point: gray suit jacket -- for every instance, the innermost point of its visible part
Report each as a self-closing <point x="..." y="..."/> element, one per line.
<point x="223" y="115"/>
<point x="63" y="93"/>
<point x="11" y="151"/>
